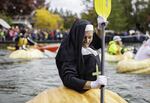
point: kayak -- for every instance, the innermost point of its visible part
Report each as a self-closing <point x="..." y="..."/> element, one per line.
<point x="51" y="48"/>
<point x="49" y="54"/>
<point x="65" y="95"/>
<point x="134" y="66"/>
<point x="26" y="54"/>
<point x="117" y="58"/>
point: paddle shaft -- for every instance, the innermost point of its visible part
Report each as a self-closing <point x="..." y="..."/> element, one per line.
<point x="103" y="9"/>
<point x="102" y="60"/>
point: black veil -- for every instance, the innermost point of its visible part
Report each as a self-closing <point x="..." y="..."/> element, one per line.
<point x="70" y="49"/>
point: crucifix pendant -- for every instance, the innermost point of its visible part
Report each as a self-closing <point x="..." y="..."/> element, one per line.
<point x="97" y="73"/>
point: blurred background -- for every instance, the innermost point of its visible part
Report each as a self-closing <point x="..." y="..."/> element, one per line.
<point x="51" y="19"/>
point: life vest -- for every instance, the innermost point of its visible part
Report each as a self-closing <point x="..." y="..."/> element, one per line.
<point x="114" y="48"/>
<point x="22" y="41"/>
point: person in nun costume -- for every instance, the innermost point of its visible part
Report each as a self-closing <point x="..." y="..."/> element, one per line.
<point x="77" y="58"/>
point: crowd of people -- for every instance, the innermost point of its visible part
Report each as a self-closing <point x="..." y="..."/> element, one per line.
<point x="34" y="34"/>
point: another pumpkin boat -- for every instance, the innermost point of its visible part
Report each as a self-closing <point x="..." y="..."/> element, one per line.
<point x="26" y="54"/>
<point x="134" y="66"/>
<point x="117" y="58"/>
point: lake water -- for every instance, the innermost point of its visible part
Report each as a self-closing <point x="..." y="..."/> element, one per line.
<point x="21" y="81"/>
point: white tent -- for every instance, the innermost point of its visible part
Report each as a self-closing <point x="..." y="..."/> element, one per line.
<point x="4" y="24"/>
<point x="22" y="22"/>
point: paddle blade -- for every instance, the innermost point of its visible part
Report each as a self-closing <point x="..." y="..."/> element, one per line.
<point x="103" y="7"/>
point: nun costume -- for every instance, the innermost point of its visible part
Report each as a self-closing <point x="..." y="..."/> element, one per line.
<point x="77" y="64"/>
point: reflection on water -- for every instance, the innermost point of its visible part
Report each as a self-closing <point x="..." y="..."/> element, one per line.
<point x="20" y="82"/>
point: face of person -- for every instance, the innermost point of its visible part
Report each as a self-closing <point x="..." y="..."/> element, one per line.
<point x="88" y="37"/>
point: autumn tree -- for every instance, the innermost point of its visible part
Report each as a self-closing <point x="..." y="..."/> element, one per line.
<point x="47" y="20"/>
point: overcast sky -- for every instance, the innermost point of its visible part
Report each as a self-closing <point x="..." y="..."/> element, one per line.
<point x="76" y="6"/>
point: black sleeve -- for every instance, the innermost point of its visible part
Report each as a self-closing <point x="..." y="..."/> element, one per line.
<point x="97" y="42"/>
<point x="70" y="77"/>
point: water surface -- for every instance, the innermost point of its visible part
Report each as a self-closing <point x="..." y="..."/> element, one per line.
<point x="21" y="81"/>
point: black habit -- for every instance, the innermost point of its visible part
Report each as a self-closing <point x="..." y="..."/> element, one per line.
<point x="74" y="68"/>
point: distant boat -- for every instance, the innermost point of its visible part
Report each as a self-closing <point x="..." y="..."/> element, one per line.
<point x="52" y="47"/>
<point x="26" y="54"/>
<point x="134" y="66"/>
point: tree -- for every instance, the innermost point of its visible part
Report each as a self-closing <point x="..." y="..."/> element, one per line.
<point x="128" y="11"/>
<point x="89" y="13"/>
<point x="91" y="16"/>
<point x="47" y="20"/>
<point x="6" y="17"/>
<point x="117" y="19"/>
<point x="19" y="7"/>
<point x="147" y="16"/>
<point x="125" y="14"/>
<point x="140" y="14"/>
<point x="67" y="16"/>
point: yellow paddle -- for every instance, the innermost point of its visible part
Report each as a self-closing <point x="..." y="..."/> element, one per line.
<point x="103" y="9"/>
